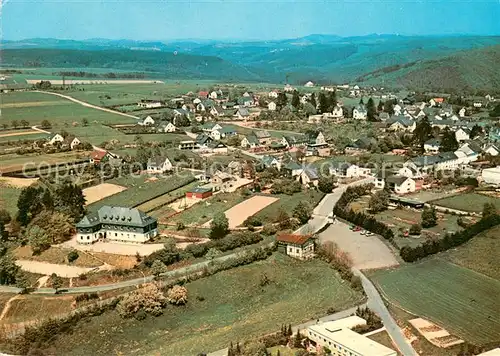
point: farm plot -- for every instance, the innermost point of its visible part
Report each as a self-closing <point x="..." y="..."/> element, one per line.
<point x="9" y="197"/>
<point x="101" y="191"/>
<point x="166" y="199"/>
<point x="14" y="162"/>
<point x="227" y="306"/>
<point x="473" y="202"/>
<point x="238" y="213"/>
<point x="458" y="299"/>
<point x="143" y="191"/>
<point x="32" y="308"/>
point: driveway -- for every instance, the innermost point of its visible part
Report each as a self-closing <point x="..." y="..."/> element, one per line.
<point x="114" y="248"/>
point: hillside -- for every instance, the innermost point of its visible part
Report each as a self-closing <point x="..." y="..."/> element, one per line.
<point x="465" y="70"/>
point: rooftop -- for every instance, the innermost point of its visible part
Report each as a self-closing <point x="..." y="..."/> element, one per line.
<point x="294" y="239"/>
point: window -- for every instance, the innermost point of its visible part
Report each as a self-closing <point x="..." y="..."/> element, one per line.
<point x="88" y="237"/>
<point x="290" y="249"/>
<point x="116" y="234"/>
<point x="298" y="250"/>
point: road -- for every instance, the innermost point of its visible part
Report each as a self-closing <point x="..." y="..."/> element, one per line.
<point x="87" y="104"/>
<point x="40" y="130"/>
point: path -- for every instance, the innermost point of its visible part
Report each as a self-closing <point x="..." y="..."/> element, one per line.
<point x="40" y="130"/>
<point x="87" y="104"/>
<point x="6" y="308"/>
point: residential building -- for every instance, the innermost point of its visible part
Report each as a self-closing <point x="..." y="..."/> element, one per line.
<point x="148" y="121"/>
<point x="263" y="136"/>
<point x="98" y="156"/>
<point x="181" y="113"/>
<point x="250" y="142"/>
<point x="462" y="112"/>
<point x="217" y="147"/>
<point x="294" y="141"/>
<point x="400" y="185"/>
<point x="203" y="140"/>
<point x="242" y="114"/>
<point x="316" y="139"/>
<point x="149" y="104"/>
<point x="308" y="177"/>
<point x="271" y="162"/>
<point x="432" y="145"/>
<point x="292" y="169"/>
<point x="213" y="95"/>
<point x="362" y="144"/>
<point x="401" y="123"/>
<point x="348" y="170"/>
<point x="159" y="164"/>
<point x="187" y="145"/>
<point x="338" y="337"/>
<point x="491" y="175"/>
<point x="118" y="224"/>
<point x="168" y="127"/>
<point x="199" y="193"/>
<point x="462" y="134"/>
<point x="491" y="150"/>
<point x="309" y="84"/>
<point x="71" y="141"/>
<point x="273" y="94"/>
<point x="271" y="106"/>
<point x="338" y="112"/>
<point x="359" y="112"/>
<point x="297" y="246"/>
<point x="210" y="126"/>
<point x="217" y="111"/>
<point x="55" y="138"/>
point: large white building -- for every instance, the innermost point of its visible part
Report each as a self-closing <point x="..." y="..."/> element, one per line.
<point x="338" y="337"/>
<point x="491" y="175"/>
<point x="118" y="224"/>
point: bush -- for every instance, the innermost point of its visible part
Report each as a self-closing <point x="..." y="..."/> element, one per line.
<point x="180" y="226"/>
<point x="86" y="297"/>
<point x="415" y="229"/>
<point x="269" y="229"/>
<point x="252" y="221"/>
<point x="197" y="250"/>
<point x="177" y="295"/>
<point x="72" y="256"/>
<point x="150" y="299"/>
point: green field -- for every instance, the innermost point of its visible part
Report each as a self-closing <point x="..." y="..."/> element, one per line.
<point x="288" y="203"/>
<point x="481" y="254"/>
<point x="27" y="137"/>
<point x="142" y="190"/>
<point x="8" y="198"/>
<point x="159" y="202"/>
<point x="228" y="306"/>
<point x="458" y="299"/>
<point x="12" y="162"/>
<point x="467" y="202"/>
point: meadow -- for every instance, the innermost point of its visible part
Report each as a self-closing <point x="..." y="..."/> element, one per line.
<point x="12" y="162"/>
<point x="228" y="306"/>
<point x="458" y="299"/>
<point x="468" y="202"/>
<point x="157" y="203"/>
<point x="9" y="197"/>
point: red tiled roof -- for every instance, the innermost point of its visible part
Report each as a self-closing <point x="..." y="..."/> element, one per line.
<point x="294" y="239"/>
<point x="203" y="93"/>
<point x="98" y="154"/>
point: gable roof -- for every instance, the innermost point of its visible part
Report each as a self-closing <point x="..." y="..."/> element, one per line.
<point x="116" y="215"/>
<point x="252" y="139"/>
<point x="157" y="161"/>
<point x="243" y="112"/>
<point x="203" y="139"/>
<point x="98" y="154"/>
<point x="294" y="239"/>
<point x="396" y="180"/>
<point x="261" y="133"/>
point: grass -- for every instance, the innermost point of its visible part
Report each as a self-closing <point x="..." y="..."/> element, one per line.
<point x="479" y="254"/>
<point x="468" y="202"/>
<point x="383" y="338"/>
<point x="25" y="137"/>
<point x="460" y="300"/>
<point x="207" y="209"/>
<point x="9" y="197"/>
<point x="283" y="350"/>
<point x="288" y="203"/>
<point x="57" y="255"/>
<point x="13" y="162"/>
<point x="228" y="306"/>
<point x="161" y="201"/>
<point x="34" y="307"/>
<point x="141" y="190"/>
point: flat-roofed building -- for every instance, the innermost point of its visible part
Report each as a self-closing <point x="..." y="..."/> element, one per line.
<point x="338" y="337"/>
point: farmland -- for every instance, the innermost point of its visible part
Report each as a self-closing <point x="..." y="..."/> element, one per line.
<point x="447" y="295"/>
<point x="13" y="162"/>
<point x="141" y="189"/>
<point x="159" y="202"/>
<point x="8" y="198"/>
<point x="228" y="306"/>
<point x="468" y="202"/>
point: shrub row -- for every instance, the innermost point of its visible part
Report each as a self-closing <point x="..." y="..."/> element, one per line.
<point x="229" y="242"/>
<point x="431" y="247"/>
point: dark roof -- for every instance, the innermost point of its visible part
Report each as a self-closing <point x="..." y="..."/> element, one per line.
<point x="396" y="180"/>
<point x="433" y="142"/>
<point x="294" y="239"/>
<point x="157" y="161"/>
<point x="261" y="133"/>
<point x="203" y="138"/>
<point x="116" y="215"/>
<point x="200" y="190"/>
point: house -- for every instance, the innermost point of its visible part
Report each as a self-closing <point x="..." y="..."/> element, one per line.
<point x="114" y="223"/>
<point x="401" y="123"/>
<point x="338" y="337"/>
<point x="462" y="112"/>
<point x="294" y="141"/>
<point x="436" y="101"/>
<point x="409" y="172"/>
<point x="292" y="169"/>
<point x="223" y="132"/>
<point x="337" y="112"/>
<point x="159" y="164"/>
<point x="189" y="107"/>
<point x="203" y="140"/>
<point x="250" y="141"/>
<point x="168" y="127"/>
<point x="98" y="156"/>
<point x="263" y="136"/>
<point x="297" y="246"/>
<point x="181" y="112"/>
<point x="309" y="84"/>
<point x="187" y="145"/>
<point x="288" y="88"/>
<point x="359" y="112"/>
<point x="362" y="144"/>
<point x="203" y="94"/>
<point x="273" y="94"/>
<point x="400" y="185"/>
<point x="199" y="193"/>
<point x="148" y="121"/>
<point x="397" y="109"/>
<point x="468" y="152"/>
<point x="316" y="139"/>
<point x="247" y="94"/>
<point x="55" y="138"/>
<point x="235" y="168"/>
<point x="149" y="104"/>
<point x="217" y="147"/>
<point x="220" y="178"/>
<point x="348" y="170"/>
<point x="491" y="175"/>
<point x="242" y="114"/>
<point x="491" y="150"/>
<point x="308" y="176"/>
<point x="383" y="116"/>
<point x="432" y="145"/>
<point x="71" y="141"/>
<point x="210" y="126"/>
<point x="271" y="106"/>
<point x="213" y="95"/>
<point x="271" y="162"/>
<point x="217" y="111"/>
<point x="462" y="134"/>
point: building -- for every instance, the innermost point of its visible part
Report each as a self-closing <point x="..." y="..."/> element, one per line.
<point x="400" y="185"/>
<point x="492" y="150"/>
<point x="169" y="127"/>
<point x="308" y="176"/>
<point x="55" y="138"/>
<point x="359" y="112"/>
<point x="401" y="123"/>
<point x="242" y="114"/>
<point x="338" y="337"/>
<point x="338" y="112"/>
<point x="494" y="352"/>
<point x="113" y="223"/>
<point x="309" y="84"/>
<point x="159" y="165"/>
<point x="149" y="104"/>
<point x="199" y="193"/>
<point x="263" y="136"/>
<point x="271" y="106"/>
<point x="491" y="175"/>
<point x="271" y="162"/>
<point x="98" y="156"/>
<point x="432" y="145"/>
<point x="71" y="142"/>
<point x="250" y="141"/>
<point x="462" y="134"/>
<point x="294" y="141"/>
<point x="297" y="246"/>
<point x="348" y="170"/>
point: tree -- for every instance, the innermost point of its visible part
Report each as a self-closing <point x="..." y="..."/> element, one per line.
<point x="361" y="101"/>
<point x="429" y="217"/>
<point x="496" y="111"/>
<point x="38" y="239"/>
<point x="149" y="299"/>
<point x="380" y="106"/>
<point x="389" y="107"/>
<point x="448" y="141"/>
<point x="8" y="269"/>
<point x="256" y="348"/>
<point x="219" y="227"/>
<point x="14" y="124"/>
<point x="475" y="131"/>
<point x="422" y="132"/>
<point x="56" y="282"/>
<point x="415" y="229"/>
<point x="22" y="282"/>
<point x="158" y="268"/>
<point x="302" y="212"/>
<point x="325" y="184"/>
<point x="59" y="226"/>
<point x="323" y="103"/>
<point x="282" y="100"/>
<point x="379" y="201"/>
<point x="143" y="155"/>
<point x="332" y="100"/>
<point x="371" y="110"/>
<point x="295" y="99"/>
<point x="309" y="109"/>
<point x="489" y="209"/>
<point x="177" y="295"/>
<point x="297" y="340"/>
<point x="5" y="217"/>
<point x="312" y="100"/>
<point x="24" y="123"/>
<point x="3" y="234"/>
<point x="46" y="124"/>
<point x="85" y="122"/>
<point x="69" y="200"/>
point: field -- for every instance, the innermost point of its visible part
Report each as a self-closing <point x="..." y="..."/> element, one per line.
<point x="13" y="162"/>
<point x="164" y="200"/>
<point x="460" y="300"/>
<point x="56" y="255"/>
<point x="8" y="198"/>
<point x="37" y="307"/>
<point x="383" y="338"/>
<point x="101" y="191"/>
<point x="21" y="135"/>
<point x="238" y="213"/>
<point x="141" y="189"/>
<point x="467" y="202"/>
<point x="481" y="254"/>
<point x="288" y="203"/>
<point x="228" y="306"/>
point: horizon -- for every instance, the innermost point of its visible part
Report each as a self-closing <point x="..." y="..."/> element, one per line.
<point x="243" y="20"/>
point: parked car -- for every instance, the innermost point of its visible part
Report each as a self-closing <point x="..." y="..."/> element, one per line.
<point x="368" y="233"/>
<point x="356" y="229"/>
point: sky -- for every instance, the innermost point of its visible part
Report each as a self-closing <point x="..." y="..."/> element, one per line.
<point x="243" y="19"/>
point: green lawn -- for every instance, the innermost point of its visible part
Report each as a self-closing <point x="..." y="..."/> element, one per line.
<point x="12" y="162"/>
<point x="458" y="299"/>
<point x="27" y="137"/>
<point x="161" y="201"/>
<point x="8" y="198"/>
<point x="467" y="202"/>
<point x="288" y="203"/>
<point x="228" y="306"/>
